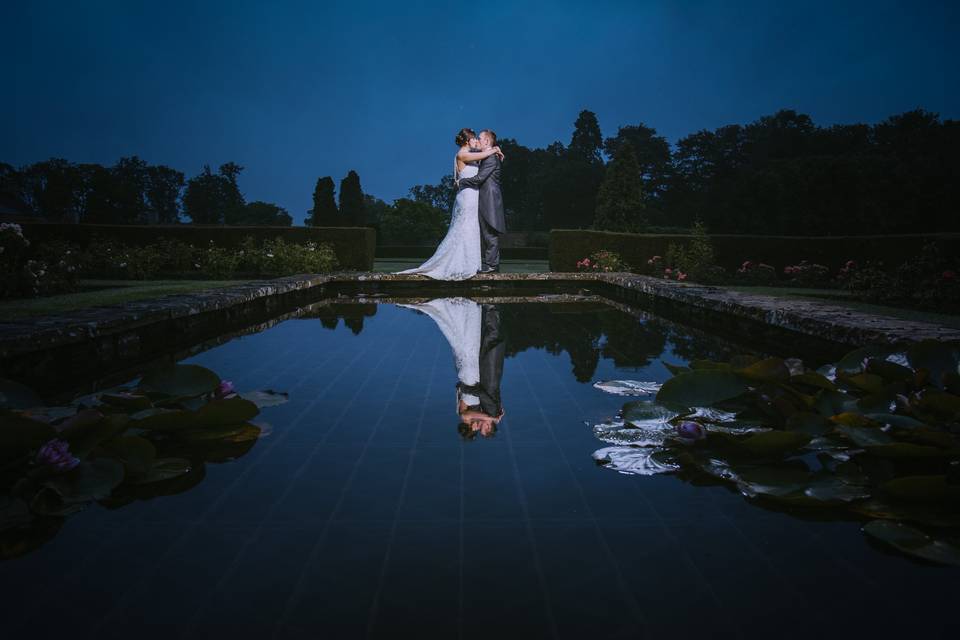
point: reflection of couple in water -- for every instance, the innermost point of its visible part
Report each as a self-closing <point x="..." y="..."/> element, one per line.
<point x="473" y="331"/>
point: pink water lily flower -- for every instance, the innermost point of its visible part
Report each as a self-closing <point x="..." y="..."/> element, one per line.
<point x="690" y="431"/>
<point x="224" y="390"/>
<point x="56" y="455"/>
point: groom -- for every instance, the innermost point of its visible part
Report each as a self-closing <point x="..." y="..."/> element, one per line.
<point x="486" y="414"/>
<point x="492" y="221"/>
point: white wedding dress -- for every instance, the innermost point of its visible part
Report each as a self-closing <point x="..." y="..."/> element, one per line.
<point x="458" y="256"/>
<point x="460" y="322"/>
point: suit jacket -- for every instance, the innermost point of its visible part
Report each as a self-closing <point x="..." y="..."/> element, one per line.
<point x="492" y="350"/>
<point x="491" y="199"/>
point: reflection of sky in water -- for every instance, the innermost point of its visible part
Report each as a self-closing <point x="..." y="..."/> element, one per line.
<point x="364" y="509"/>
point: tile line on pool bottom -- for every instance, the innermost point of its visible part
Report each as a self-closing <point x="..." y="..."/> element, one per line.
<point x="313" y="555"/>
<point x="195" y="525"/>
<point x="684" y="555"/>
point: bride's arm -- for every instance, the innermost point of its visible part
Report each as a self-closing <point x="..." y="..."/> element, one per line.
<point x="470" y="156"/>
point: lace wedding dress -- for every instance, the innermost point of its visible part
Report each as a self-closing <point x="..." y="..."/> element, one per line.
<point x="458" y="256"/>
<point x="460" y="322"/>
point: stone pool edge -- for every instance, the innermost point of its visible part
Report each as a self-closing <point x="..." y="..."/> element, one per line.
<point x="807" y="317"/>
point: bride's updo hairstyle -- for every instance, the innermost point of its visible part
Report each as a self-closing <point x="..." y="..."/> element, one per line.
<point x="464" y="136"/>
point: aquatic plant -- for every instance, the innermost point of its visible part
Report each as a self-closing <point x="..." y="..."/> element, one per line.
<point x="875" y="437"/>
<point x="136" y="442"/>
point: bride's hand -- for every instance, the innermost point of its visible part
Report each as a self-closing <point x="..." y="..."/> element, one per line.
<point x="497" y="151"/>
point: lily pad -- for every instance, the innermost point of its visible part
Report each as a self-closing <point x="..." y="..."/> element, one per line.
<point x="636" y="461"/>
<point x="865" y="436"/>
<point x="162" y="419"/>
<point x="136" y="453"/>
<point x="618" y="432"/>
<point x="91" y="480"/>
<point x="224" y="412"/>
<point x="702" y="388"/>
<point x="774" y="443"/>
<point x="769" y="370"/>
<point x="929" y="489"/>
<point x="644" y="413"/>
<point x="813" y="379"/>
<point x="938" y="358"/>
<point x="266" y="398"/>
<point x="14" y="395"/>
<point x="128" y="401"/>
<point x="180" y="380"/>
<point x="913" y="542"/>
<point x="853" y="362"/>
<point x="627" y="387"/>
<point x="19" y="435"/>
<point x="166" y="469"/>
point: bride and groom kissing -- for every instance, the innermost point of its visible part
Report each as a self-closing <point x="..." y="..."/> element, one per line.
<point x="472" y="242"/>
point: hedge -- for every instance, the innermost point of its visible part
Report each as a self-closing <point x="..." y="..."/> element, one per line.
<point x="354" y="246"/>
<point x="421" y="253"/>
<point x="569" y="245"/>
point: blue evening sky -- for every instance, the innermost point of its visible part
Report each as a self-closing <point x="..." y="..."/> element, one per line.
<point x="296" y="90"/>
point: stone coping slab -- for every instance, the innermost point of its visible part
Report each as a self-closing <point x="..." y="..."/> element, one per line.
<point x="823" y="320"/>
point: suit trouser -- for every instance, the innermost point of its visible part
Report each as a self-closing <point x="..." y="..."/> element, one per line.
<point x="490" y="239"/>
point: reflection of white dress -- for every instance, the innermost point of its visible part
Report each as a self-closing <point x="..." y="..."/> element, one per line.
<point x="458" y="256"/>
<point x="459" y="319"/>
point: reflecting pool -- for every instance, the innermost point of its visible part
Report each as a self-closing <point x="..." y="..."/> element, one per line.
<point x="447" y="468"/>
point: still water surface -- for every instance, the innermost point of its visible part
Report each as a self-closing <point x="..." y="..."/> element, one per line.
<point x="372" y="509"/>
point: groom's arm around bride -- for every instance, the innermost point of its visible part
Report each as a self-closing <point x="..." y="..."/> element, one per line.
<point x="492" y="219"/>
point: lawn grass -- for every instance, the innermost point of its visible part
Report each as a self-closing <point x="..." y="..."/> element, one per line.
<point x="845" y="299"/>
<point x="389" y="265"/>
<point x="96" y="293"/>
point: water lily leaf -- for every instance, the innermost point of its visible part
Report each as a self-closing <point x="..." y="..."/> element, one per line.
<point x="674" y="368"/>
<point x="769" y="370"/>
<point x="809" y="423"/>
<point x="865" y="436"/>
<point x="918" y="512"/>
<point x="14" y="395"/>
<point x="627" y="387"/>
<point x="180" y="380"/>
<point x="162" y="419"/>
<point x="850" y="419"/>
<point x="618" y="432"/>
<point x="853" y="362"/>
<point x="836" y="490"/>
<point x="641" y="413"/>
<point x="742" y="361"/>
<point x="91" y="480"/>
<point x="913" y="542"/>
<point x="894" y="420"/>
<point x="813" y="379"/>
<point x="128" y="401"/>
<point x="774" y="443"/>
<point x="232" y="433"/>
<point x="830" y="403"/>
<point x="889" y="371"/>
<point x="701" y="388"/>
<point x="940" y="403"/>
<point x="777" y="481"/>
<point x="866" y="381"/>
<point x="930" y="489"/>
<point x="85" y="432"/>
<point x="266" y="398"/>
<point x="938" y="358"/>
<point x="19" y="435"/>
<point x="951" y="383"/>
<point x="898" y="450"/>
<point x="636" y="461"/>
<point x="230" y="411"/>
<point x="165" y="469"/>
<point x="136" y="453"/>
<point x="709" y="365"/>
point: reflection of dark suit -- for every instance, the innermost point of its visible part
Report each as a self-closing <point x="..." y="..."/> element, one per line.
<point x="492" y="350"/>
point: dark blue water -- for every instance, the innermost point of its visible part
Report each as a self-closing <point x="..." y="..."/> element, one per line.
<point x="365" y="511"/>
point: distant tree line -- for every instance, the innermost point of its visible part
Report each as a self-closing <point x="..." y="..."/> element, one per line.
<point x="133" y="192"/>
<point x="781" y="174"/>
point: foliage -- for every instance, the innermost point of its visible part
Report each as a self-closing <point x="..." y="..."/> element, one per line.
<point x="440" y="196"/>
<point x="324" y="212"/>
<point x="409" y="222"/>
<point x="351" y="201"/>
<point x="214" y="198"/>
<point x="263" y="213"/>
<point x="603" y="260"/>
<point x="277" y="257"/>
<point x="928" y="281"/>
<point x="807" y="274"/>
<point x="620" y="200"/>
<point x="52" y="268"/>
<point x="755" y="274"/>
<point x="874" y="435"/>
<point x="695" y="258"/>
<point x="116" y="447"/>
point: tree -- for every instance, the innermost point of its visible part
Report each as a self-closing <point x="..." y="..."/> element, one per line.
<point x="409" y="222"/>
<point x="264" y="213"/>
<point x="351" y="201"/>
<point x="215" y="198"/>
<point x="324" y="212"/>
<point x="53" y="189"/>
<point x="620" y="201"/>
<point x="232" y="201"/>
<point x="587" y="141"/>
<point x="375" y="209"/>
<point x="440" y="196"/>
<point x="164" y="186"/>
<point x="653" y="156"/>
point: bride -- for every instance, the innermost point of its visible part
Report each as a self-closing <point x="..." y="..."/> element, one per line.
<point x="458" y="256"/>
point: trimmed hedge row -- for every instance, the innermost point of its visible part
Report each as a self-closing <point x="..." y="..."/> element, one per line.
<point x="354" y="246"/>
<point x="507" y="253"/>
<point x="567" y="246"/>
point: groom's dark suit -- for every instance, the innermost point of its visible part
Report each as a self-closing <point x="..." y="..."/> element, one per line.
<point x="492" y="220"/>
<point x="492" y="350"/>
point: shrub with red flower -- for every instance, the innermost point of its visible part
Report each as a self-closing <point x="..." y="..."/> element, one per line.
<point x="603" y="260"/>
<point x="807" y="274"/>
<point x="756" y="274"/>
